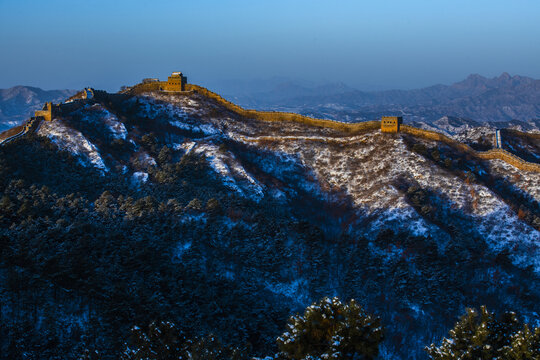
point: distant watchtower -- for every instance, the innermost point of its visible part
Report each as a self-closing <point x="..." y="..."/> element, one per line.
<point x="46" y="113"/>
<point x="498" y="140"/>
<point x="175" y="82"/>
<point x="390" y="124"/>
<point x="88" y="93"/>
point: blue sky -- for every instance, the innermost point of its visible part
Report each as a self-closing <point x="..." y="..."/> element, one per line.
<point x="366" y="44"/>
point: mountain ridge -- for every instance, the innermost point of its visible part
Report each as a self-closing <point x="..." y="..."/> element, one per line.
<point x="498" y="99"/>
<point x="214" y="218"/>
<point x="501" y="98"/>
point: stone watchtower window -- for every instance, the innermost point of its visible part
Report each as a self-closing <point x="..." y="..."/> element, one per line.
<point x="391" y="123"/>
<point x="175" y="82"/>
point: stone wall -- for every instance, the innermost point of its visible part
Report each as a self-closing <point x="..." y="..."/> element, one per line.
<point x="509" y="158"/>
<point x="530" y="135"/>
<point x="486" y="155"/>
<point x="350" y="128"/>
<point x="390" y="124"/>
<point x="284" y="116"/>
<point x="140" y="88"/>
<point x="365" y="126"/>
<point x="46" y="113"/>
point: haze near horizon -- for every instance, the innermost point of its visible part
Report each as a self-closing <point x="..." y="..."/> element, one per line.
<point x="369" y="46"/>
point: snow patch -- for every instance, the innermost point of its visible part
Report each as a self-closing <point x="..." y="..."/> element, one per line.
<point x="294" y="290"/>
<point x="73" y="141"/>
<point x="233" y="174"/>
<point x="140" y="177"/>
<point x="180" y="249"/>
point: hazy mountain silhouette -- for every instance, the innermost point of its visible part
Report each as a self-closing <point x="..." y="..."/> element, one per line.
<point x="500" y="98"/>
<point x="19" y="102"/>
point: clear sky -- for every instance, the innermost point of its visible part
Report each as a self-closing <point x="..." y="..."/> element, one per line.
<point x="376" y="44"/>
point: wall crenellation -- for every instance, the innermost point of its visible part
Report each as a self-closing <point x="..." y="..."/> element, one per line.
<point x="492" y="154"/>
<point x="47" y="112"/>
<point x="387" y="124"/>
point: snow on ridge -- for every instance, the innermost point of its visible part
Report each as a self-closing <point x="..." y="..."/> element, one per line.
<point x="294" y="290"/>
<point x="73" y="141"/>
<point x="230" y="169"/>
<point x="459" y="129"/>
<point x="206" y="129"/>
<point x="98" y="112"/>
<point x="181" y="112"/>
<point x="401" y="218"/>
<point x="146" y="159"/>
<point x="140" y="177"/>
<point x="504" y="230"/>
<point x="366" y="170"/>
<point x="155" y="104"/>
<point x="118" y="129"/>
<point x="527" y="182"/>
<point x="187" y="146"/>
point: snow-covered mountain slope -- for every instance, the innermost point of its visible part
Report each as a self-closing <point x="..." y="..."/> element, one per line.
<point x="364" y="168"/>
<point x="438" y="230"/>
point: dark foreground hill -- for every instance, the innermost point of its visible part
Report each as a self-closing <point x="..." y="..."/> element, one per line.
<point x="128" y="209"/>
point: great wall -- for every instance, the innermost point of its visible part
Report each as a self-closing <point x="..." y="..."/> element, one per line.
<point x="492" y="154"/>
<point x="177" y="83"/>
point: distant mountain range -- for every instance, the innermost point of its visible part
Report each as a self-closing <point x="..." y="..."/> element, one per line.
<point x="478" y="98"/>
<point x="19" y="103"/>
<point x="133" y="207"/>
<point x="505" y="98"/>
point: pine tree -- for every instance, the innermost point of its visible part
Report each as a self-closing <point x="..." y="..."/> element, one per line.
<point x="165" y="155"/>
<point x="195" y="204"/>
<point x="480" y="335"/>
<point x="162" y="341"/>
<point x="330" y="329"/>
<point x="210" y="348"/>
<point x="89" y="355"/>
<point x="524" y="345"/>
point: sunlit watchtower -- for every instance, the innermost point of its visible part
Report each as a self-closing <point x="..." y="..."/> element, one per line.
<point x="175" y="82"/>
<point x="390" y="124"/>
<point x="46" y="113"/>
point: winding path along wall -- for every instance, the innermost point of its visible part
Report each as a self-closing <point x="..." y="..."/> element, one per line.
<point x="486" y="155"/>
<point x="28" y="126"/>
<point x="13" y="137"/>
<point x="366" y="126"/>
<point x="284" y="116"/>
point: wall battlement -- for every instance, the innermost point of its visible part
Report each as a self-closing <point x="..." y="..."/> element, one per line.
<point x="394" y="125"/>
<point x="284" y="116"/>
<point x="368" y="125"/>
<point x="47" y="112"/>
<point x="492" y="154"/>
<point x="391" y="124"/>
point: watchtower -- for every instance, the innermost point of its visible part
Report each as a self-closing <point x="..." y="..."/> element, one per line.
<point x="175" y="82"/>
<point x="390" y="124"/>
<point x="88" y="93"/>
<point x="46" y="113"/>
<point x="498" y="140"/>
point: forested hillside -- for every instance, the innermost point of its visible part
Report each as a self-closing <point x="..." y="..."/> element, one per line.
<point x="128" y="210"/>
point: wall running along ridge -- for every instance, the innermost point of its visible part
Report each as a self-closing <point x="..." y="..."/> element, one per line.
<point x="28" y="126"/>
<point x="486" y="155"/>
<point x="352" y="128"/>
<point x="284" y="116"/>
